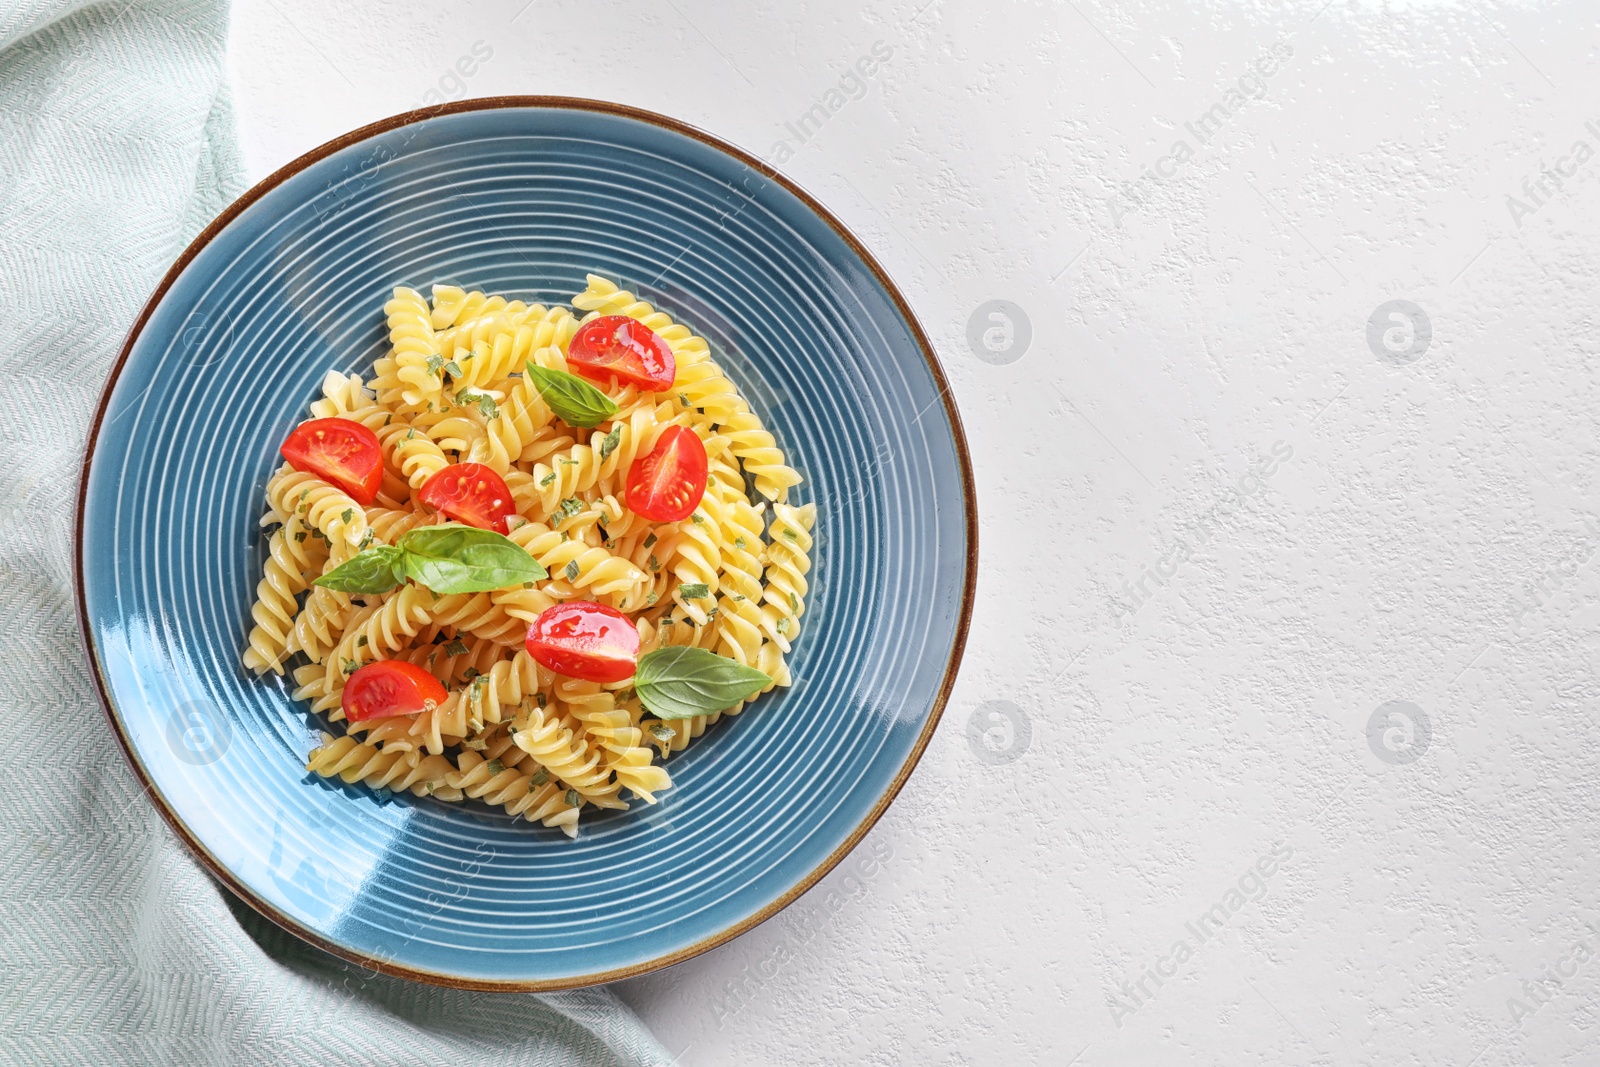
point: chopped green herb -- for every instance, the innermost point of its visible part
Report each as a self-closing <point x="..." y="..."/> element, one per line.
<point x="410" y="433"/>
<point x="350" y="667"/>
<point x="496" y="767"/>
<point x="540" y="777"/>
<point x="567" y="462"/>
<point x="649" y="540"/>
<point x="794" y="603"/>
<point x="453" y="369"/>
<point x="527" y="585"/>
<point x="684" y="400"/>
<point x="652" y="598"/>
<point x="790" y="534"/>
<point x="361" y="642"/>
<point x="661" y="732"/>
<point x="540" y="699"/>
<point x="738" y="542"/>
<point x="694" y="591"/>
<point x="699" y="519"/>
<point x="569" y="507"/>
<point x="299" y="535"/>
<point x="471" y="674"/>
<point x="609" y="444"/>
<point x="573" y="798"/>
<point x="783" y="625"/>
<point x="346" y="515"/>
<point x="547" y="479"/>
<point x="455" y="648"/>
<point x="655" y="564"/>
<point x="435" y="363"/>
<point x="303" y="494"/>
<point x="572" y="571"/>
<point x="367" y="539"/>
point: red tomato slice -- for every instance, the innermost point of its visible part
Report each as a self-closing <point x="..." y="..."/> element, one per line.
<point x="582" y="639"/>
<point x="471" y="493"/>
<point x="667" y="484"/>
<point x="390" y="687"/>
<point x="617" y="348"/>
<point x="339" y="451"/>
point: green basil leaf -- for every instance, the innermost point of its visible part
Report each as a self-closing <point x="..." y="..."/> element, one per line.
<point x="678" y="682"/>
<point x="575" y="401"/>
<point x="464" y="559"/>
<point x="376" y="570"/>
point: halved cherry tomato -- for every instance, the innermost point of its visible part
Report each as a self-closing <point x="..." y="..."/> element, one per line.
<point x="615" y="347"/>
<point x="667" y="484"/>
<point x="470" y="493"/>
<point x="390" y="687"/>
<point x="339" y="451"/>
<point x="582" y="639"/>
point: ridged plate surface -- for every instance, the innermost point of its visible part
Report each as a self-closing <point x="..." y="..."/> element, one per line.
<point x="522" y="197"/>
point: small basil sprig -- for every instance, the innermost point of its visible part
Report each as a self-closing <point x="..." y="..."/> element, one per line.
<point x="446" y="559"/>
<point x="678" y="682"/>
<point x="375" y="570"/>
<point x="575" y="401"/>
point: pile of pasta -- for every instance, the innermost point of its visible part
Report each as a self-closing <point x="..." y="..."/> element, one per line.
<point x="511" y="733"/>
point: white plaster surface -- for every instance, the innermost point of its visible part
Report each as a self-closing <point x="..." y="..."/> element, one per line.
<point x="1179" y="330"/>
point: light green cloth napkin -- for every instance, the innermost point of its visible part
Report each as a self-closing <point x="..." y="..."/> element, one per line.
<point x="116" y="147"/>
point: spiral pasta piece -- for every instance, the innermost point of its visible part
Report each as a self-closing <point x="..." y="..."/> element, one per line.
<point x="788" y="562"/>
<point x="453" y="305"/>
<point x="571" y="758"/>
<point x="291" y="559"/>
<point x="412" y="339"/>
<point x="503" y="780"/>
<point x="490" y="348"/>
<point x="331" y="511"/>
<point x="574" y="566"/>
<point x="698" y="561"/>
<point x="352" y="761"/>
<point x="620" y="741"/>
<point x="320" y="622"/>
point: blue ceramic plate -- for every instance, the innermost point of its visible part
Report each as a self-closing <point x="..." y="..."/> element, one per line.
<point x="522" y="196"/>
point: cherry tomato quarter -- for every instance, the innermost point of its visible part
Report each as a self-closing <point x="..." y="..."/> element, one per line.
<point x="387" y="688"/>
<point x="615" y="348"/>
<point x="471" y="493"/>
<point x="585" y="640"/>
<point x="666" y="485"/>
<point x="339" y="451"/>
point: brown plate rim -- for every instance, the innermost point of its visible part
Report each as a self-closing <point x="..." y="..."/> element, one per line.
<point x="958" y="647"/>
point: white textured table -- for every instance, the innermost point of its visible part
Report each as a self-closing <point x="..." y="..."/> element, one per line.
<point x="1236" y="500"/>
